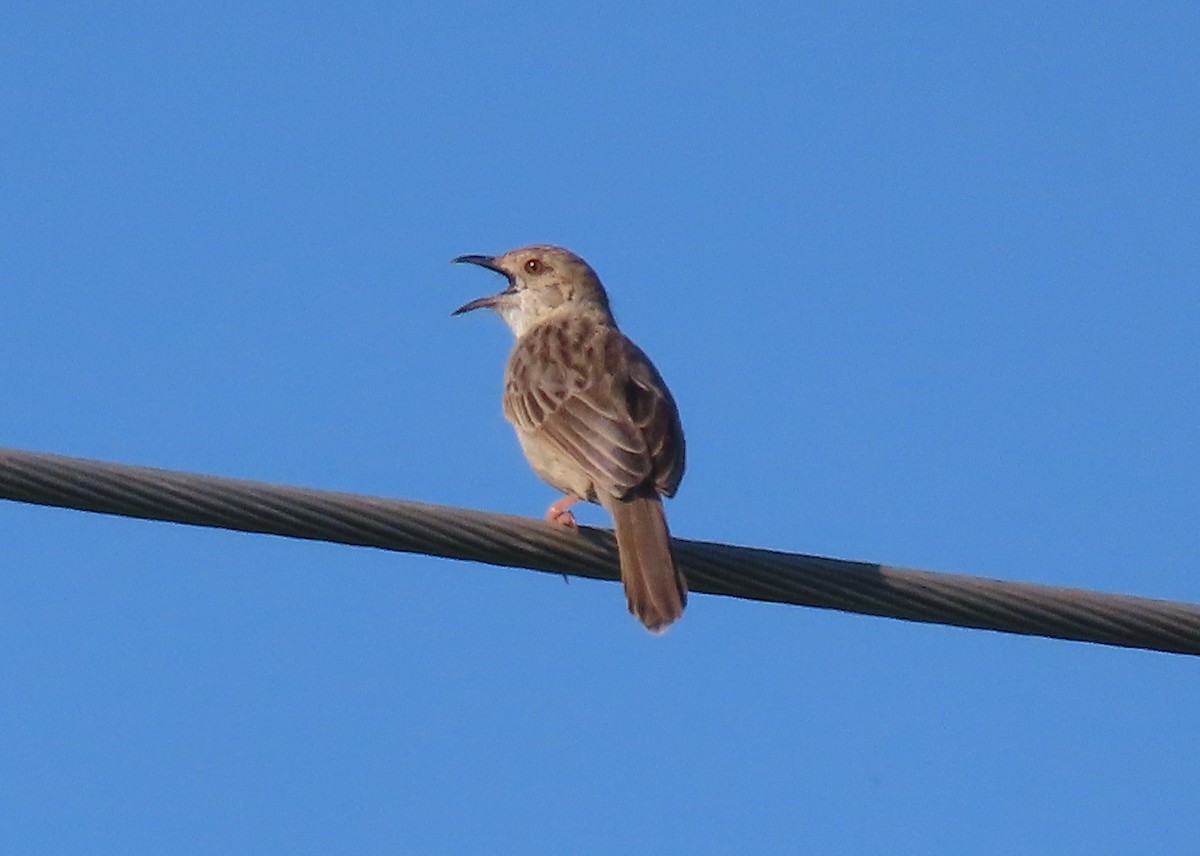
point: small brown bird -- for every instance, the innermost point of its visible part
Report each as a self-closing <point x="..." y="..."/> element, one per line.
<point x="592" y="414"/>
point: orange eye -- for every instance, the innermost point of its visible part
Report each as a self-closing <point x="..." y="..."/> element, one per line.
<point x="534" y="266"/>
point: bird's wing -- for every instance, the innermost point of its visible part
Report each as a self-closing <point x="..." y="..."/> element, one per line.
<point x="653" y="411"/>
<point x="584" y="388"/>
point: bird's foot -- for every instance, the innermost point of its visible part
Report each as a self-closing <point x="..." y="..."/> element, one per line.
<point x="560" y="512"/>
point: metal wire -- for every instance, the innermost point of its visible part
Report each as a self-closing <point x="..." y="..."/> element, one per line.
<point x="499" y="539"/>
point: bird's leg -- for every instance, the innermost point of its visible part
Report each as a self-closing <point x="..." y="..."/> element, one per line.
<point x="560" y="512"/>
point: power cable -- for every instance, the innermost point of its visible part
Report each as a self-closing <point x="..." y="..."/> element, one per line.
<point x="499" y="539"/>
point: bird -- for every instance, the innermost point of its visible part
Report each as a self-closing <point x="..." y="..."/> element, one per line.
<point x="592" y="414"/>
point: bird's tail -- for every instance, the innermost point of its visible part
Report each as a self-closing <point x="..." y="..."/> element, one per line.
<point x="656" y="591"/>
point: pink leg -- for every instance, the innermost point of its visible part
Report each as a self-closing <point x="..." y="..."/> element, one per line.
<point x="560" y="512"/>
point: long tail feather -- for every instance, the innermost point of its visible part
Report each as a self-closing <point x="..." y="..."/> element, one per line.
<point x="656" y="591"/>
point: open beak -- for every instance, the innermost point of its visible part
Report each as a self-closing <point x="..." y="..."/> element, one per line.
<point x="488" y="262"/>
<point x="488" y="302"/>
<point x="478" y="303"/>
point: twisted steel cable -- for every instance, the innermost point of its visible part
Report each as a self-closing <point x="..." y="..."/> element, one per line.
<point x="499" y="539"/>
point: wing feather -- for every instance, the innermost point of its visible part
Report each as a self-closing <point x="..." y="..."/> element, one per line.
<point x="582" y="387"/>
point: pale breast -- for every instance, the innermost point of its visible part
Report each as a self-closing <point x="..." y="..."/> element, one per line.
<point x="557" y="469"/>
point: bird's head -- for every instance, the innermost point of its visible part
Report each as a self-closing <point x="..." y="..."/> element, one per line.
<point x="541" y="281"/>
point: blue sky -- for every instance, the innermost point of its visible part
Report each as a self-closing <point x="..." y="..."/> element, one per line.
<point x="922" y="278"/>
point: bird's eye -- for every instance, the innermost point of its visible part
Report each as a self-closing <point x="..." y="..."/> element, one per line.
<point x="533" y="266"/>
